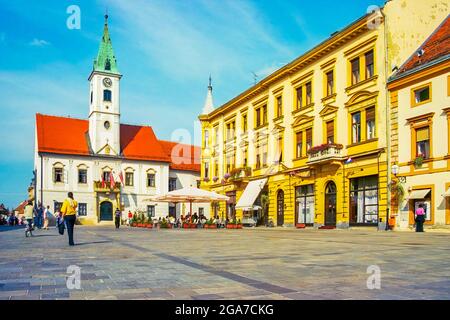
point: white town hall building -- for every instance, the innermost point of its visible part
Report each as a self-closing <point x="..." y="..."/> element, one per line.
<point x="107" y="164"/>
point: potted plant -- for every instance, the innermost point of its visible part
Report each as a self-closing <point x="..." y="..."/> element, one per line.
<point x="419" y="160"/>
<point x="205" y="179"/>
<point x="226" y="176"/>
<point x="210" y="224"/>
<point x="300" y="225"/>
<point x="215" y="179"/>
<point x="238" y="224"/>
<point x="248" y="171"/>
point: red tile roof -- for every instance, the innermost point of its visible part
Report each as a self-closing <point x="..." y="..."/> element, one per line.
<point x="140" y="143"/>
<point x="435" y="47"/>
<point x="61" y="135"/>
<point x="183" y="157"/>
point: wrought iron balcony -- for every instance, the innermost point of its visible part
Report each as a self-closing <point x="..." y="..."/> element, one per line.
<point x="325" y="153"/>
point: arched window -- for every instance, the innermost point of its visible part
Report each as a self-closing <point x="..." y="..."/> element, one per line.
<point x="58" y="172"/>
<point x="107" y="95"/>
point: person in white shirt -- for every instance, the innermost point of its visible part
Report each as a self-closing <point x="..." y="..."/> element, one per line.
<point x="45" y="216"/>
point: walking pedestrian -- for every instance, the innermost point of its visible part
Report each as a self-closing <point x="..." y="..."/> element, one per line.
<point x="130" y="217"/>
<point x="68" y="211"/>
<point x="45" y="216"/>
<point x="118" y="217"/>
<point x="40" y="214"/>
<point x="420" y="218"/>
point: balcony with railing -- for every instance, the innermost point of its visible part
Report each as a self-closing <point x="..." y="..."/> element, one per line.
<point x="106" y="186"/>
<point x="325" y="153"/>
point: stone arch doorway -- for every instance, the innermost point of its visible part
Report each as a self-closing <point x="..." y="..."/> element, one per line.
<point x="106" y="211"/>
<point x="280" y="207"/>
<point x="330" y="204"/>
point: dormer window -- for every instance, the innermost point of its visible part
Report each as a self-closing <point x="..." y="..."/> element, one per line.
<point x="108" y="64"/>
<point x="107" y="95"/>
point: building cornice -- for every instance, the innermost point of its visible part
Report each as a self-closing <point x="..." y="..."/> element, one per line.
<point x="326" y="47"/>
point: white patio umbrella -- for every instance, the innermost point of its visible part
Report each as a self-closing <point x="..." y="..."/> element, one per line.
<point x="190" y="195"/>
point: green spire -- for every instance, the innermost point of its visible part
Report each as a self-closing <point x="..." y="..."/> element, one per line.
<point x="106" y="60"/>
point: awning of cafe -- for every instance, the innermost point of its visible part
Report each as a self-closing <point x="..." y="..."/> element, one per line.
<point x="419" y="194"/>
<point x="250" y="194"/>
<point x="447" y="193"/>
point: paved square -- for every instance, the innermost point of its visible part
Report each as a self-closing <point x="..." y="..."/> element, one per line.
<point x="134" y="263"/>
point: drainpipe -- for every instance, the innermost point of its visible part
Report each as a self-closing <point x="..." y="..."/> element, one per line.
<point x="42" y="180"/>
<point x="388" y="121"/>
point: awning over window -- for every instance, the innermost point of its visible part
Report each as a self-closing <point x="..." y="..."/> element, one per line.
<point x="419" y="194"/>
<point x="250" y="194"/>
<point x="447" y="193"/>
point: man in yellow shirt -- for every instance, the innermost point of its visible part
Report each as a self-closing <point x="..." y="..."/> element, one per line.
<point x="69" y="211"/>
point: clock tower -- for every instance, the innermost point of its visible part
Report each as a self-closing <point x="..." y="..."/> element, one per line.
<point x="104" y="100"/>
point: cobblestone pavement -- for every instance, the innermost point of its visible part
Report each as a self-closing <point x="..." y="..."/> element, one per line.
<point x="134" y="263"/>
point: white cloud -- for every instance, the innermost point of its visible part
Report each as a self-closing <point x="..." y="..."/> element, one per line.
<point x="39" y="43"/>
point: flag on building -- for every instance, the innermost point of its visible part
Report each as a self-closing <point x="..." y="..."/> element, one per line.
<point x="111" y="179"/>
<point x="121" y="177"/>
<point x="103" y="182"/>
<point x="349" y="160"/>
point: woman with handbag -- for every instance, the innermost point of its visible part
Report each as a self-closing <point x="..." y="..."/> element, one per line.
<point x="68" y="211"/>
<point x="420" y="218"/>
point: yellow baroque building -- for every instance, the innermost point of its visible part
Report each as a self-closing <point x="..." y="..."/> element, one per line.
<point x="310" y="143"/>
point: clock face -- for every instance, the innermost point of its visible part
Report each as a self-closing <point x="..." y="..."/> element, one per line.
<point x="107" y="82"/>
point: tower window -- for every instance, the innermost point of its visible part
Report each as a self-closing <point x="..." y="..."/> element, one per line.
<point x="107" y="125"/>
<point x="92" y="96"/>
<point x="107" y="95"/>
<point x="108" y="64"/>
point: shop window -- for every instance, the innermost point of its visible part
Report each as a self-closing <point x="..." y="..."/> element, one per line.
<point x="304" y="199"/>
<point x="364" y="200"/>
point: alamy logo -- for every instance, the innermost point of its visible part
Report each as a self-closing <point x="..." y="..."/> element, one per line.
<point x="74" y="20"/>
<point x="374" y="280"/>
<point x="74" y="279"/>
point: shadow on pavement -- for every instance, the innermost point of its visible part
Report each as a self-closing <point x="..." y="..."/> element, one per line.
<point x="93" y="242"/>
<point x="11" y="228"/>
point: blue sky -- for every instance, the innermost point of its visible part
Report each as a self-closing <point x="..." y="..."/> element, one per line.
<point x="165" y="50"/>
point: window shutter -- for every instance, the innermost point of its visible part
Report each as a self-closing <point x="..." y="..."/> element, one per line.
<point x="422" y="134"/>
<point x="370" y="114"/>
<point x="330" y="129"/>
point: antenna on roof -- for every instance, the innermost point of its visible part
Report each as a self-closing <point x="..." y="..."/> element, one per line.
<point x="255" y="78"/>
<point x="420" y="52"/>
